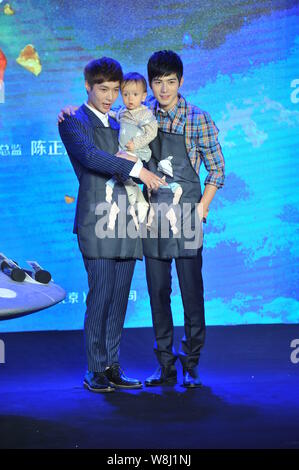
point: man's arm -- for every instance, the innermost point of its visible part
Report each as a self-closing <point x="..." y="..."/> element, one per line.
<point x="79" y="144"/>
<point x="211" y="154"/>
<point x="207" y="197"/>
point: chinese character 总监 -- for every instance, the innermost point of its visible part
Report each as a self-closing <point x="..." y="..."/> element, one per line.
<point x="16" y="149"/>
<point x="4" y="150"/>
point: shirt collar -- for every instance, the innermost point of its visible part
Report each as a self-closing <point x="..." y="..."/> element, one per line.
<point x="178" y="110"/>
<point x="103" y="117"/>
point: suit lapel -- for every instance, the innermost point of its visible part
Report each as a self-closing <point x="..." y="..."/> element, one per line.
<point x="93" y="118"/>
<point x="113" y="123"/>
<point x="96" y="121"/>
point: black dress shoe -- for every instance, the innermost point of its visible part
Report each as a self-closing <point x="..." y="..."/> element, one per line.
<point x="97" y="382"/>
<point x="191" y="378"/>
<point x="117" y="377"/>
<point x="164" y="375"/>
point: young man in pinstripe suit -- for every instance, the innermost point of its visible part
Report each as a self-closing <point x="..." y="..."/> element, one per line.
<point x="91" y="140"/>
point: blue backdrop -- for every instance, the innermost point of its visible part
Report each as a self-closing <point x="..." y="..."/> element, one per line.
<point x="241" y="65"/>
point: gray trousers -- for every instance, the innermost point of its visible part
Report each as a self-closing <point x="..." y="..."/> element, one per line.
<point x="158" y="275"/>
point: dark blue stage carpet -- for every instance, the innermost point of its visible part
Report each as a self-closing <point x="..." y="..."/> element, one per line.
<point x="250" y="398"/>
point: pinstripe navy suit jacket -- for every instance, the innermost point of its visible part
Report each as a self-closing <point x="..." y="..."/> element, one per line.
<point x="76" y="133"/>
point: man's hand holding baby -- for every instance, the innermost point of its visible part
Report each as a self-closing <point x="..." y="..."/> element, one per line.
<point x="130" y="146"/>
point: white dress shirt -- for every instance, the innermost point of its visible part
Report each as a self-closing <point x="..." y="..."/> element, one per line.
<point x="135" y="172"/>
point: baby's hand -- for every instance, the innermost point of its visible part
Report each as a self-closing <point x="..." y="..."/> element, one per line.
<point x="130" y="145"/>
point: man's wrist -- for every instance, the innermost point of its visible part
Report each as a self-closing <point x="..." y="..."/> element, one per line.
<point x="204" y="203"/>
<point x="135" y="172"/>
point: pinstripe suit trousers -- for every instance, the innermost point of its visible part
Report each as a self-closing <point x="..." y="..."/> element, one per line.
<point x="109" y="282"/>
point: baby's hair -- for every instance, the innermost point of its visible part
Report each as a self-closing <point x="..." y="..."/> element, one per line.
<point x="134" y="77"/>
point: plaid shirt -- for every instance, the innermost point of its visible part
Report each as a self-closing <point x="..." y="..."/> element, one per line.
<point x="200" y="136"/>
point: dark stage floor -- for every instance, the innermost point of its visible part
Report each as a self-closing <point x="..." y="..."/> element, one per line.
<point x="250" y="398"/>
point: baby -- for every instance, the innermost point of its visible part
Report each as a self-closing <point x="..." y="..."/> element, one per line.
<point x="138" y="127"/>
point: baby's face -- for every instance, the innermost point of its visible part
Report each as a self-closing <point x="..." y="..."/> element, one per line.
<point x="133" y="95"/>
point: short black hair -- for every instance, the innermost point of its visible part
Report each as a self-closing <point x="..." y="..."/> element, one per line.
<point x="163" y="63"/>
<point x="102" y="70"/>
<point x="134" y="77"/>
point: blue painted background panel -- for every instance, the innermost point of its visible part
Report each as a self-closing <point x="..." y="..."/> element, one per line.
<point x="241" y="65"/>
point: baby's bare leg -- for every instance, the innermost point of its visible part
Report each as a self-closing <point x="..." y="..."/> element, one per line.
<point x="112" y="215"/>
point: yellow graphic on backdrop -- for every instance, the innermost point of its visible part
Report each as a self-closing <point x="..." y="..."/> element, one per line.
<point x="29" y="59"/>
<point x="8" y="10"/>
<point x="69" y="199"/>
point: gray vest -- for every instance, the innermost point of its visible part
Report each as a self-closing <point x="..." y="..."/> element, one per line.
<point x="93" y="214"/>
<point x="176" y="229"/>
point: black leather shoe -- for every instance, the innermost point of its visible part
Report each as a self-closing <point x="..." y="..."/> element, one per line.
<point x="164" y="375"/>
<point x="117" y="377"/>
<point x="191" y="378"/>
<point x="97" y="382"/>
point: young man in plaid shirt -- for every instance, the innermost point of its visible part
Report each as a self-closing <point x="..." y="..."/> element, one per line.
<point x="189" y="135"/>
